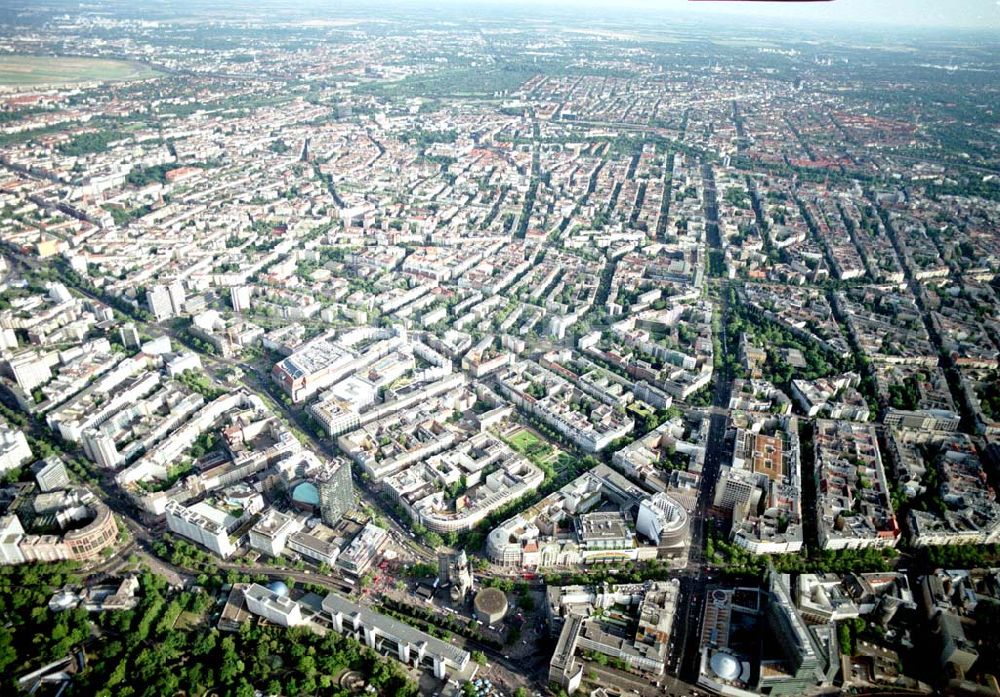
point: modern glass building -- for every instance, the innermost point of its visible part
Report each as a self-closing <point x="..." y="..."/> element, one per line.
<point x="336" y="492"/>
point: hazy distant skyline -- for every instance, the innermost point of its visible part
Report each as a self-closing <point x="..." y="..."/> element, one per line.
<point x="965" y="14"/>
<point x="942" y="15"/>
<point x="926" y="13"/>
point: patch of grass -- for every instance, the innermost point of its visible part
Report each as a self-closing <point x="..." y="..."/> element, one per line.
<point x="641" y="412"/>
<point x="537" y="449"/>
<point x="523" y="439"/>
<point x="189" y="620"/>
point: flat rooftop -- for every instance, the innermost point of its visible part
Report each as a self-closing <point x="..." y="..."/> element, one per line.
<point x="334" y="603"/>
<point x="609" y="525"/>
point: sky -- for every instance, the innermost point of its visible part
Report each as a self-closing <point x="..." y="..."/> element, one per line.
<point x="942" y="14"/>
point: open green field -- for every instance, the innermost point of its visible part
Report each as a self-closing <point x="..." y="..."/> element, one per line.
<point x="54" y="70"/>
<point x="534" y="447"/>
<point x="524" y="439"/>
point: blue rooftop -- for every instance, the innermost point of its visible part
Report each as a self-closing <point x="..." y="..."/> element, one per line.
<point x="306" y="493"/>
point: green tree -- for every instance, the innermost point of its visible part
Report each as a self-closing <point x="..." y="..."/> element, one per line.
<point x="230" y="665"/>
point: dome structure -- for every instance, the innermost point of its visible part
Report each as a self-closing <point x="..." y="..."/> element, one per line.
<point x="725" y="666"/>
<point x="278" y="588"/>
<point x="63" y="600"/>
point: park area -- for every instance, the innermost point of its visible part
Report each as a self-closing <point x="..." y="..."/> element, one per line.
<point x="558" y="465"/>
<point x="54" y="70"/>
<point x="530" y="444"/>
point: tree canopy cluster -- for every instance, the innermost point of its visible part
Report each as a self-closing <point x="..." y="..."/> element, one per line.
<point x="31" y="635"/>
<point x="736" y="561"/>
<point x="169" y="643"/>
<point x="89" y="143"/>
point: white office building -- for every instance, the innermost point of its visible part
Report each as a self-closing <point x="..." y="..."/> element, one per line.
<point x="102" y="449"/>
<point x="270" y="534"/>
<point x="663" y="521"/>
<point x="203" y="524"/>
<point x="275" y="607"/>
<point x="158" y="301"/>
<point x="240" y="297"/>
<point x="14" y="448"/>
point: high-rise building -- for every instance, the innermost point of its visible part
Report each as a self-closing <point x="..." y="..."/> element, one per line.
<point x="806" y="662"/>
<point x="735" y="489"/>
<point x="8" y="339"/>
<point x="177" y="297"/>
<point x="240" y="297"/>
<point x="102" y="449"/>
<point x="14" y="448"/>
<point x="158" y="300"/>
<point x="130" y="336"/>
<point x="11" y="534"/>
<point x="51" y="474"/>
<point x="58" y="293"/>
<point x="336" y="491"/>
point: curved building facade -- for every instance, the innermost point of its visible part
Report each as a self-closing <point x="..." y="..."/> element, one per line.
<point x="87" y="543"/>
<point x="663" y="521"/>
<point x="82" y="544"/>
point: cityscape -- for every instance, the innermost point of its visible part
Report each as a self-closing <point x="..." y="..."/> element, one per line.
<point x="498" y="350"/>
